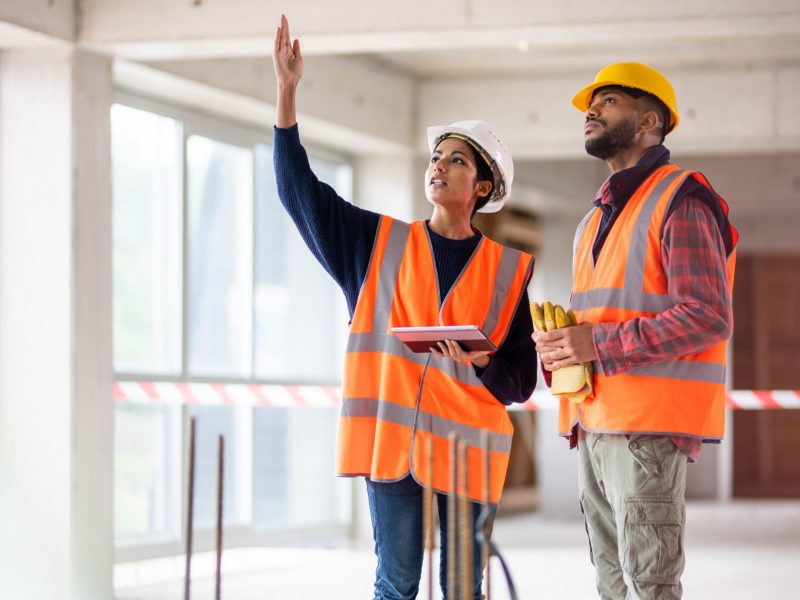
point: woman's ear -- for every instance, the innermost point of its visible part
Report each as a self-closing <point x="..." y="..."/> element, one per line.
<point x="484" y="188"/>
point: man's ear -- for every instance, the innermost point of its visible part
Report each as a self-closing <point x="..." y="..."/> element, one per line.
<point x="648" y="121"/>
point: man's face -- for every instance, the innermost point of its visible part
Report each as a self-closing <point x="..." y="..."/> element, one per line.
<point x="610" y="125"/>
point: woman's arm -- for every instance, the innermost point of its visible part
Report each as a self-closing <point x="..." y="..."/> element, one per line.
<point x="339" y="235"/>
<point x="511" y="372"/>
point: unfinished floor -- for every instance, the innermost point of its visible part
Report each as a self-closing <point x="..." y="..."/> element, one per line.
<point x="740" y="550"/>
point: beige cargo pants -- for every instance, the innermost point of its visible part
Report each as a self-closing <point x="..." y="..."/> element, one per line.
<point x="632" y="491"/>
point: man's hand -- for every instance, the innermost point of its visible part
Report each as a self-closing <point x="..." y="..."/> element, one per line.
<point x="565" y="346"/>
<point x="454" y="351"/>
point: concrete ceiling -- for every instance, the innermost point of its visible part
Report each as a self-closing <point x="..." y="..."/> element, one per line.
<point x="524" y="57"/>
<point x="160" y="29"/>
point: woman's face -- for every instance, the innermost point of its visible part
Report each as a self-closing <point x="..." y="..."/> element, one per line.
<point x="451" y="176"/>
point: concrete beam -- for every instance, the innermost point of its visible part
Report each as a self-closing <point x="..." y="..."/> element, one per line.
<point x="353" y="104"/>
<point x="54" y="18"/>
<point x="156" y="29"/>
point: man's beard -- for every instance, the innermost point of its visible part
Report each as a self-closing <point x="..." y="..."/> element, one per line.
<point x="613" y="140"/>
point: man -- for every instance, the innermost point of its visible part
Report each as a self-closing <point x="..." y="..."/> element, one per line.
<point x="652" y="279"/>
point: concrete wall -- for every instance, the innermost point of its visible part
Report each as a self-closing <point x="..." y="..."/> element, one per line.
<point x="56" y="424"/>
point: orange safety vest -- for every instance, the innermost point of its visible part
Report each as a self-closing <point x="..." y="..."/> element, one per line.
<point x="684" y="396"/>
<point x="395" y="400"/>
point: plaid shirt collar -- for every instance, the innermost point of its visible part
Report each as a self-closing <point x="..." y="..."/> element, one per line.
<point x="616" y="190"/>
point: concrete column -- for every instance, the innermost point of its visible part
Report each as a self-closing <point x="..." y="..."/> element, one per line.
<point x="56" y="417"/>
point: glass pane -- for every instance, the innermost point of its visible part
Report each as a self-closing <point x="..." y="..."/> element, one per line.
<point x="235" y="426"/>
<point x="147" y="172"/>
<point x="294" y="485"/>
<point x="220" y="186"/>
<point x="300" y="313"/>
<point x="146" y="476"/>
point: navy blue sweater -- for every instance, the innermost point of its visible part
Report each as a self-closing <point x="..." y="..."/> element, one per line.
<point x="341" y="237"/>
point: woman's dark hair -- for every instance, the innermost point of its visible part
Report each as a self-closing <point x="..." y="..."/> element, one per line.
<point x="484" y="174"/>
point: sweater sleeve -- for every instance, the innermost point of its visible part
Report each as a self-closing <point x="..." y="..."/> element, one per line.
<point x="339" y="235"/>
<point x="511" y="373"/>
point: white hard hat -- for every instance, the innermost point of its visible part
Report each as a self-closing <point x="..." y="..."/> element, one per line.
<point x="484" y="138"/>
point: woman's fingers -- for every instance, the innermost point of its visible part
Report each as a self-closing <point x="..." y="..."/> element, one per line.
<point x="285" y="30"/>
<point x="453" y="350"/>
<point x="456" y="352"/>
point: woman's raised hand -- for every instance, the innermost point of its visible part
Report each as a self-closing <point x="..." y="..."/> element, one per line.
<point x="287" y="57"/>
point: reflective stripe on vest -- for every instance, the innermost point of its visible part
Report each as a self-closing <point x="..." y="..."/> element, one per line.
<point x="632" y="295"/>
<point x="684" y="396"/>
<point x="394" y="399"/>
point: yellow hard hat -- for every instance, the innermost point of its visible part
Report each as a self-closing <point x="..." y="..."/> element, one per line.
<point x="634" y="75"/>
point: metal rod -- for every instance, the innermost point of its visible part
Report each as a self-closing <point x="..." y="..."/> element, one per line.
<point x="451" y="520"/>
<point x="486" y="506"/>
<point x="427" y="514"/>
<point x="187" y="579"/>
<point x="465" y="527"/>
<point x="220" y="491"/>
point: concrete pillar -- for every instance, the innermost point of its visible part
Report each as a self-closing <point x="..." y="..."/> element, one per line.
<point x="56" y="418"/>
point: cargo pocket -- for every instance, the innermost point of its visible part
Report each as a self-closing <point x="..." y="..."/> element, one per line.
<point x="643" y="450"/>
<point x="653" y="544"/>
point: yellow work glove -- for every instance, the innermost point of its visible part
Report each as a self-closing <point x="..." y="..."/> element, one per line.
<point x="575" y="381"/>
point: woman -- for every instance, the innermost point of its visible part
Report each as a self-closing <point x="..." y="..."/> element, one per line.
<point x="437" y="272"/>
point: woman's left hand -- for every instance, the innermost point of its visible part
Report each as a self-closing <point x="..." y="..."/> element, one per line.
<point x="451" y="349"/>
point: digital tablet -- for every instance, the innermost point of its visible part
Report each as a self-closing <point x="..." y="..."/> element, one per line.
<point x="420" y="339"/>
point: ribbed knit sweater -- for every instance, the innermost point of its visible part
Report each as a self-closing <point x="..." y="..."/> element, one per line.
<point x="341" y="237"/>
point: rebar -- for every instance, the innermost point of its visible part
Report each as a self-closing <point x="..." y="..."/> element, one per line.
<point x="486" y="507"/>
<point x="465" y="526"/>
<point x="451" y="519"/>
<point x="220" y="491"/>
<point x="427" y="514"/>
<point x="187" y="579"/>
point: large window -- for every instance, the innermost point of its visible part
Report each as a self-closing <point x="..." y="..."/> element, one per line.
<point x="300" y="335"/>
<point x="147" y="476"/>
<point x="213" y="285"/>
<point x="147" y="159"/>
<point x="220" y="289"/>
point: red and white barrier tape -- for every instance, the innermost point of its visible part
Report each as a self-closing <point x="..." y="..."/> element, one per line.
<point x="760" y="399"/>
<point x="252" y="394"/>
<point x="226" y="394"/>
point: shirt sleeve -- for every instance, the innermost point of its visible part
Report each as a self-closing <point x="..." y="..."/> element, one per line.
<point x="694" y="259"/>
<point x="511" y="373"/>
<point x="339" y="235"/>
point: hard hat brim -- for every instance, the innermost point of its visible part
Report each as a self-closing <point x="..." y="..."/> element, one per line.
<point x="583" y="99"/>
<point x="436" y="132"/>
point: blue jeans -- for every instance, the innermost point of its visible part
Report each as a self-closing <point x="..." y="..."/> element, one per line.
<point x="396" y="511"/>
